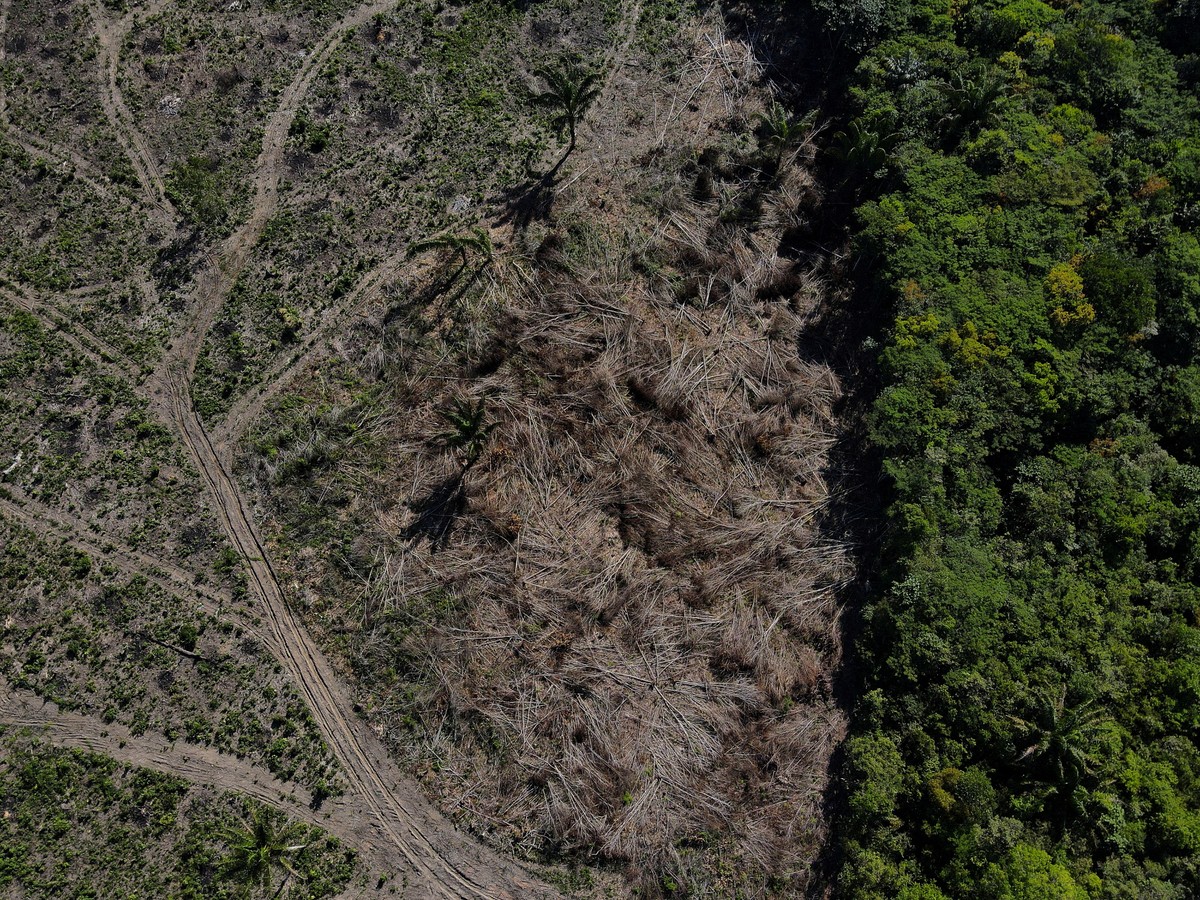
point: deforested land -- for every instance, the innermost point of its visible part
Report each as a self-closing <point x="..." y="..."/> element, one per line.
<point x="625" y="449"/>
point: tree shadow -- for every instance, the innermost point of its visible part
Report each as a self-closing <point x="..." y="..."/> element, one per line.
<point x="530" y="200"/>
<point x="838" y="336"/>
<point x="447" y="288"/>
<point x="805" y="61"/>
<point x="464" y="285"/>
<point x="438" y="512"/>
<point x="533" y="198"/>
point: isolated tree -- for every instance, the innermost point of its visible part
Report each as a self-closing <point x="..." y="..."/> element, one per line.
<point x="476" y="240"/>
<point x="571" y="90"/>
<point x="468" y="429"/>
<point x="257" y="849"/>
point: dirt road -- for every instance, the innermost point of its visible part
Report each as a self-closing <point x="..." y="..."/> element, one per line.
<point x="383" y="814"/>
<point x="109" y="37"/>
<point x="445" y="860"/>
<point x="340" y="816"/>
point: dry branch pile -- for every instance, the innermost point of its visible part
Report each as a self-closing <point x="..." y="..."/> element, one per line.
<point x="614" y="632"/>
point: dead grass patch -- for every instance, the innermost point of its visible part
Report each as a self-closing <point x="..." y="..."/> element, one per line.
<point x="613" y="634"/>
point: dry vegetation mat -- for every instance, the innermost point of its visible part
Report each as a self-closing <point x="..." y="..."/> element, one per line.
<point x="565" y="506"/>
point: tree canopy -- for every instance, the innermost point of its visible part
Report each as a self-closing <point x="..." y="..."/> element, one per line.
<point x="1027" y="181"/>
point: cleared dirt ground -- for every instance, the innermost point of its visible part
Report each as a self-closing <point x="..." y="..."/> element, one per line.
<point x="599" y="644"/>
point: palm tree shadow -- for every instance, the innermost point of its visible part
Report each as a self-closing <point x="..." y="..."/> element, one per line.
<point x="530" y="200"/>
<point x="450" y="285"/>
<point x="437" y="512"/>
<point x="464" y="285"/>
<point x="571" y="89"/>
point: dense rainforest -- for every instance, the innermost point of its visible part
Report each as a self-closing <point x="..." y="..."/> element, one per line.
<point x="1026" y="182"/>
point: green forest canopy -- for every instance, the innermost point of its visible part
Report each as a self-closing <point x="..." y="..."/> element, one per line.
<point x="1027" y="177"/>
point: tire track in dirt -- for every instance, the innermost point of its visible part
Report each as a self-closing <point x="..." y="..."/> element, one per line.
<point x="100" y="352"/>
<point x="445" y="862"/>
<point x="109" y="38"/>
<point x="199" y="764"/>
<point x="83" y="170"/>
<point x="243" y="412"/>
<point x="67" y="161"/>
<point x="171" y="579"/>
<point x="216" y="280"/>
<point x="195" y="762"/>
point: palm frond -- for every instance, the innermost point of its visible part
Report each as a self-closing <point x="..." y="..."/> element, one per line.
<point x="477" y="240"/>
<point x="571" y="89"/>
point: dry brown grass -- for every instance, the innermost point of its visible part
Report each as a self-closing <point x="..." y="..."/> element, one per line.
<point x="618" y="627"/>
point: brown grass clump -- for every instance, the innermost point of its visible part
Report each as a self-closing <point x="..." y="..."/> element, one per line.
<point x="612" y="633"/>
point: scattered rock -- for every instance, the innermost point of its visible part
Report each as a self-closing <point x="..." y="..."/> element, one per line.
<point x="170" y="105"/>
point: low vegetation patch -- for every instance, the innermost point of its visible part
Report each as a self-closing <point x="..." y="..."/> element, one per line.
<point x="78" y="824"/>
<point x="90" y="638"/>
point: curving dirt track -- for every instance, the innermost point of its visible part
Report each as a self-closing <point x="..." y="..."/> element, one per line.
<point x="195" y="762"/>
<point x="89" y="345"/>
<point x="65" y="159"/>
<point x="340" y="816"/>
<point x="215" y="281"/>
<point x="444" y="861"/>
<point x="109" y="38"/>
<point x="164" y="575"/>
<point x="383" y="814"/>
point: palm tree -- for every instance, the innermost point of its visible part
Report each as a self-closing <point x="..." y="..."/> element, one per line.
<point x="469" y="429"/>
<point x="863" y="148"/>
<point x="1060" y="740"/>
<point x="973" y="103"/>
<point x="476" y="240"/>
<point x="572" y="89"/>
<point x="258" y="848"/>
<point x="784" y="132"/>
